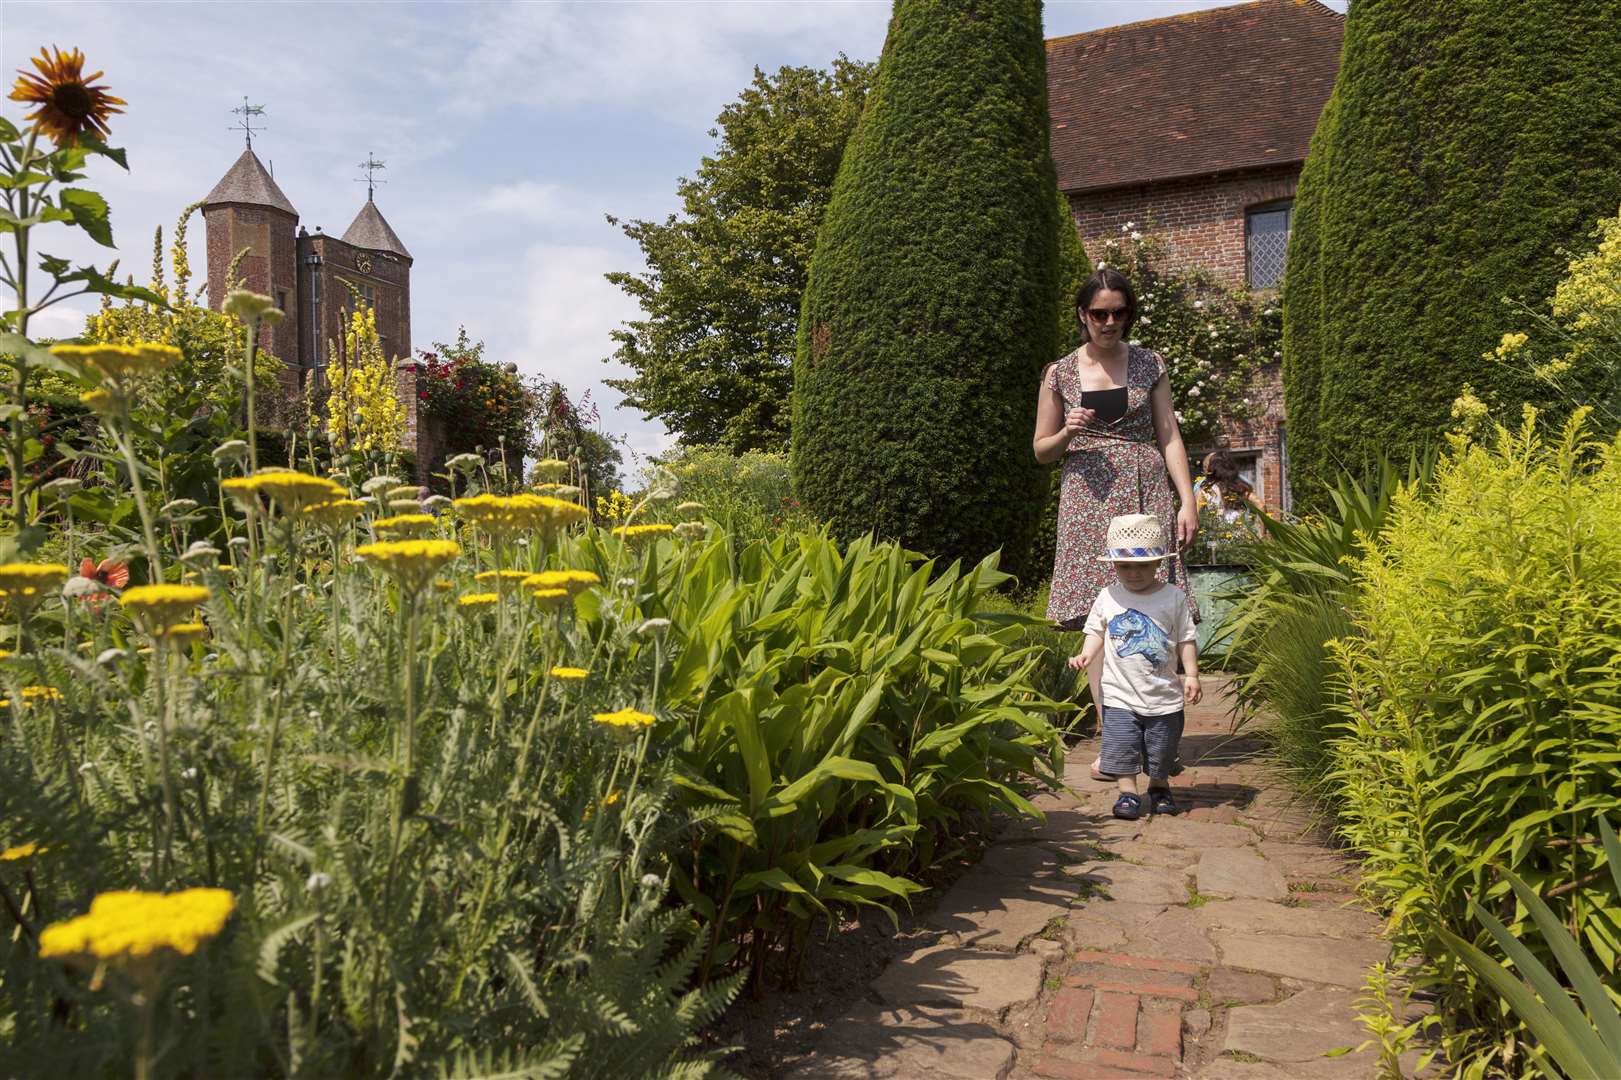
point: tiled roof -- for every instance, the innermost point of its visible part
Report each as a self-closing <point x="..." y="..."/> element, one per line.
<point x="248" y="183"/>
<point x="370" y="230"/>
<point x="1211" y="91"/>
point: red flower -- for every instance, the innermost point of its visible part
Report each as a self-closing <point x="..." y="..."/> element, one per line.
<point x="108" y="572"/>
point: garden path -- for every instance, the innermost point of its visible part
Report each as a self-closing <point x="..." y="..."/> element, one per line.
<point x="1222" y="944"/>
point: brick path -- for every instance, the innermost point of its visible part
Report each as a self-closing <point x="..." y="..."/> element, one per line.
<point x="1222" y="944"/>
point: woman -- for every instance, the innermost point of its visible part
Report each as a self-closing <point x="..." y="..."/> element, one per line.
<point x="1112" y="465"/>
<point x="1229" y="495"/>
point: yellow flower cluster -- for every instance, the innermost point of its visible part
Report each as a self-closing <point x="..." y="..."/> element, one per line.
<point x="548" y="598"/>
<point x="334" y="514"/>
<point x="157" y="608"/>
<point x="30" y="695"/>
<point x="548" y="469"/>
<point x="290" y="490"/>
<point x="571" y="581"/>
<point x="29" y="581"/>
<point x="119" y="365"/>
<point x="1590" y="293"/>
<point x="508" y="515"/>
<point x="405" y="525"/>
<point x="21" y="851"/>
<point x="128" y="924"/>
<point x="614" y="506"/>
<point x="181" y="634"/>
<point x="636" y="534"/>
<point x="504" y="579"/>
<point x="412" y="562"/>
<point x="560" y="672"/>
<point x="477" y="601"/>
<point x="363" y="409"/>
<point x="625" y="719"/>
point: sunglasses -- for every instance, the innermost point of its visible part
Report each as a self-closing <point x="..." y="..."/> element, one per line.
<point x="1104" y="316"/>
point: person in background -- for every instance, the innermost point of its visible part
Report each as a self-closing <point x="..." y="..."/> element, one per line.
<point x="1225" y="492"/>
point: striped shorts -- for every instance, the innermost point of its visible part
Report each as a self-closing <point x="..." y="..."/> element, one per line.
<point x="1133" y="743"/>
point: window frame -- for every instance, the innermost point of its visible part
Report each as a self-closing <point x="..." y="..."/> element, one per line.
<point x="1287" y="207"/>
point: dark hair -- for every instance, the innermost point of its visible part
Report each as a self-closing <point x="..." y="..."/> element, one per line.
<point x="1224" y="472"/>
<point x="1114" y="281"/>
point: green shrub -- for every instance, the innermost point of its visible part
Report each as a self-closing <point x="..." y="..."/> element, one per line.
<point x="749" y="495"/>
<point x="1295" y="601"/>
<point x="1483" y="708"/>
<point x="834" y="712"/>
<point x="1464" y="144"/>
<point x="929" y="312"/>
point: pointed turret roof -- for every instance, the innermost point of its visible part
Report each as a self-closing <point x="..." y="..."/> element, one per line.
<point x="370" y="230"/>
<point x="249" y="183"/>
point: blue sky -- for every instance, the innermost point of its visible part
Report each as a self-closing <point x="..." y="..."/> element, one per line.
<point x="509" y="130"/>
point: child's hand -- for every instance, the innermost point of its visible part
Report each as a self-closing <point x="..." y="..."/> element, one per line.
<point x="1077" y="662"/>
<point x="1191" y="690"/>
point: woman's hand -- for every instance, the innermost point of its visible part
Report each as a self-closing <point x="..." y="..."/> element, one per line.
<point x="1077" y="419"/>
<point x="1187" y="526"/>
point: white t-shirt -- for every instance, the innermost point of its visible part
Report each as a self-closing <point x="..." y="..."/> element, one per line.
<point x="1140" y="633"/>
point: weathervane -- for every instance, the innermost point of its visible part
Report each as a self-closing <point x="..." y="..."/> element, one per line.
<point x="370" y="167"/>
<point x="247" y="113"/>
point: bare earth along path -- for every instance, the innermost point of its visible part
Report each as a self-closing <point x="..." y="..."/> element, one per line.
<point x="1222" y="944"/>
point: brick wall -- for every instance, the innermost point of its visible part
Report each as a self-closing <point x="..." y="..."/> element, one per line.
<point x="269" y="268"/>
<point x="1201" y="219"/>
<point x="424" y="434"/>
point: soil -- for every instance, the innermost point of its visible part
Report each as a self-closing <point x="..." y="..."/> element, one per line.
<point x="776" y="1032"/>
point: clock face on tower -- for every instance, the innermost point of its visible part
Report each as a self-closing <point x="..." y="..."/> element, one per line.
<point x="363" y="264"/>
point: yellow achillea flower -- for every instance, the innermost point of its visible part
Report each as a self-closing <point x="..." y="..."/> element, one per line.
<point x="291" y="490"/>
<point x="624" y="719"/>
<point x="100" y="401"/>
<point x="21" y="851"/>
<point x="633" y="534"/>
<point x="28" y="581"/>
<point x="548" y="598"/>
<point x="546" y="469"/>
<point x="158" y="607"/>
<point x="444" y="586"/>
<point x="128" y="925"/>
<point x="506" y="515"/>
<point x="503" y="579"/>
<point x="30" y="695"/>
<point x="559" y="672"/>
<point x="405" y="524"/>
<point x="183" y="633"/>
<point x="117" y="364"/>
<point x="477" y="601"/>
<point x="334" y="514"/>
<point x="412" y="562"/>
<point x="68" y="103"/>
<point x="611" y="798"/>
<point x="572" y="581"/>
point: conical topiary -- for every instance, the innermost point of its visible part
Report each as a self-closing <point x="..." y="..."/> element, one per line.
<point x="929" y="311"/>
<point x="1464" y="144"/>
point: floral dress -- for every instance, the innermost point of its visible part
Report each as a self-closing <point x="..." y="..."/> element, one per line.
<point x="1109" y="469"/>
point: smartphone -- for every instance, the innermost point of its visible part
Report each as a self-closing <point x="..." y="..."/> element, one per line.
<point x="1110" y="405"/>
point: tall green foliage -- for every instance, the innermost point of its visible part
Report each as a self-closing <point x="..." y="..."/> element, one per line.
<point x="929" y="311"/>
<point x="713" y="349"/>
<point x="1464" y="144"/>
<point x="1483" y="708"/>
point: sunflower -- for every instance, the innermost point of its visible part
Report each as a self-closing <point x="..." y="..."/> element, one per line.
<point x="68" y="105"/>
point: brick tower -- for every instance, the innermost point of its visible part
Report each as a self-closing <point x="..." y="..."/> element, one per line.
<point x="246" y="210"/>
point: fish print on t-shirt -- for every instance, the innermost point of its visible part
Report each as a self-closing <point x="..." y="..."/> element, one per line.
<point x="1135" y="634"/>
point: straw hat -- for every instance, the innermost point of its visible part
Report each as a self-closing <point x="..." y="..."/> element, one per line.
<point x="1135" y="538"/>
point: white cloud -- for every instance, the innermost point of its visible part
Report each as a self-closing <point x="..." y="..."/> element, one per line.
<point x="531" y="200"/>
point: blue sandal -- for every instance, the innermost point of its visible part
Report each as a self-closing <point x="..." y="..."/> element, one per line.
<point x="1128" y="807"/>
<point x="1160" y="802"/>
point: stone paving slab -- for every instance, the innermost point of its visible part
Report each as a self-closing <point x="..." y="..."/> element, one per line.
<point x="1239" y="872"/>
<point x="947" y="976"/>
<point x="992" y="910"/>
<point x="1300" y="1031"/>
<point x="1129" y="883"/>
<point x="1262" y="916"/>
<point x="1309" y="959"/>
<point x="886" y="1043"/>
<point x="1182" y="832"/>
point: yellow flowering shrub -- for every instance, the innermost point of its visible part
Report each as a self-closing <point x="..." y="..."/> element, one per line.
<point x="363" y="408"/>
<point x="128" y="924"/>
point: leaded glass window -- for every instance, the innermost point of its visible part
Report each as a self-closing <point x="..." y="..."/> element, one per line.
<point x="1266" y="242"/>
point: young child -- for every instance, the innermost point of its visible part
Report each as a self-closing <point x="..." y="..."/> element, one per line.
<point x="1136" y="631"/>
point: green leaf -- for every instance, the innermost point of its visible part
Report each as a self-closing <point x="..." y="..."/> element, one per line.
<point x="1560" y="1043"/>
<point x="1577" y="969"/>
<point x="97" y="282"/>
<point x="841" y="768"/>
<point x="89" y="212"/>
<point x="96" y="146"/>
